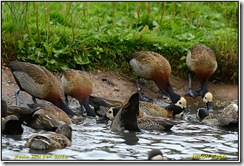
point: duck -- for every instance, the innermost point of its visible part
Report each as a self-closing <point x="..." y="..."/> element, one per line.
<point x="147" y="122"/>
<point x="46" y="117"/>
<point x="201" y="60"/>
<point x="127" y="118"/>
<point x="153" y="66"/>
<point x="228" y="117"/>
<point x="48" y="140"/>
<point x="78" y="84"/>
<point x="40" y="83"/>
<point x="40" y="116"/>
<point x="103" y="106"/>
<point x="155" y="154"/>
<point x="170" y="111"/>
<point x="156" y="123"/>
<point x="12" y="125"/>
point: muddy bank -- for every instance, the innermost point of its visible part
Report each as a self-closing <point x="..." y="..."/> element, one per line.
<point x="111" y="85"/>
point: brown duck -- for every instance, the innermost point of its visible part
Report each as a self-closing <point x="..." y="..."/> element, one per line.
<point x="153" y="66"/>
<point x="78" y="84"/>
<point x="39" y="83"/>
<point x="202" y="61"/>
<point x="47" y="140"/>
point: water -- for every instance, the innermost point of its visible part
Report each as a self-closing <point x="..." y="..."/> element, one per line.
<point x="95" y="141"/>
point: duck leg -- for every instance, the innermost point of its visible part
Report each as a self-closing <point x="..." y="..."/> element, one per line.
<point x="34" y="99"/>
<point x="66" y="99"/>
<point x="141" y="96"/>
<point x="164" y="95"/>
<point x="88" y="109"/>
<point x="17" y="96"/>
<point x="190" y="91"/>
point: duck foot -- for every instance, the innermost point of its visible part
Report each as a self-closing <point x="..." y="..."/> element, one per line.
<point x="165" y="95"/>
<point x="144" y="98"/>
<point x="191" y="93"/>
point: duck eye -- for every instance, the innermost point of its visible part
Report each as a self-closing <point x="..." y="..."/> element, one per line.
<point x="180" y="102"/>
<point x="110" y="112"/>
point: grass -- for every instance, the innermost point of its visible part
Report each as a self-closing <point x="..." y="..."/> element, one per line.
<point x="93" y="35"/>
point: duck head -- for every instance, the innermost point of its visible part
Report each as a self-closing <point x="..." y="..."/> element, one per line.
<point x="181" y="103"/>
<point x="178" y="112"/>
<point x="65" y="130"/>
<point x="112" y="112"/>
<point x="155" y="154"/>
<point x="208" y="98"/>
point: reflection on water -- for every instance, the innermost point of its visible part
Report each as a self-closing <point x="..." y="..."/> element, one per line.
<point x="95" y="141"/>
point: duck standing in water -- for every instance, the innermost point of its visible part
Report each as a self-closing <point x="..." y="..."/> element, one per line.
<point x="202" y="61"/>
<point x="47" y="140"/>
<point x="39" y="83"/>
<point x="153" y="66"/>
<point x="78" y="84"/>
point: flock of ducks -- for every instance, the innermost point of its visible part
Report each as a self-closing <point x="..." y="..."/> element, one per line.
<point x="137" y="114"/>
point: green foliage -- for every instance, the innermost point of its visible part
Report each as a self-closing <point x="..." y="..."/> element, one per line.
<point x="93" y="35"/>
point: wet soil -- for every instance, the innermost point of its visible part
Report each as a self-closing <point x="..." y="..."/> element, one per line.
<point x="112" y="85"/>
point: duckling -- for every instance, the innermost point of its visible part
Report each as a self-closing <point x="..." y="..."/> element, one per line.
<point x="12" y="125"/>
<point x="126" y="118"/>
<point x="153" y="66"/>
<point x="155" y="154"/>
<point x="202" y="61"/>
<point x="228" y="117"/>
<point x="48" y="140"/>
<point x="78" y="84"/>
<point x="39" y="83"/>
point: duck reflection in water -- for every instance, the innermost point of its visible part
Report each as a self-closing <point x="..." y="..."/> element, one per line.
<point x="130" y="138"/>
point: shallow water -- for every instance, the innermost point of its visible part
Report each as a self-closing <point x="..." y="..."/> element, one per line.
<point x="95" y="141"/>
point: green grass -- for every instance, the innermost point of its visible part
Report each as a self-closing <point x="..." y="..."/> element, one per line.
<point x="93" y="35"/>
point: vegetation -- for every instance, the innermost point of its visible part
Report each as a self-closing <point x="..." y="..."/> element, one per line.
<point x="92" y="35"/>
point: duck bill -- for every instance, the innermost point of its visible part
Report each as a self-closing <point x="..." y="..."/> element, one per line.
<point x="209" y="106"/>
